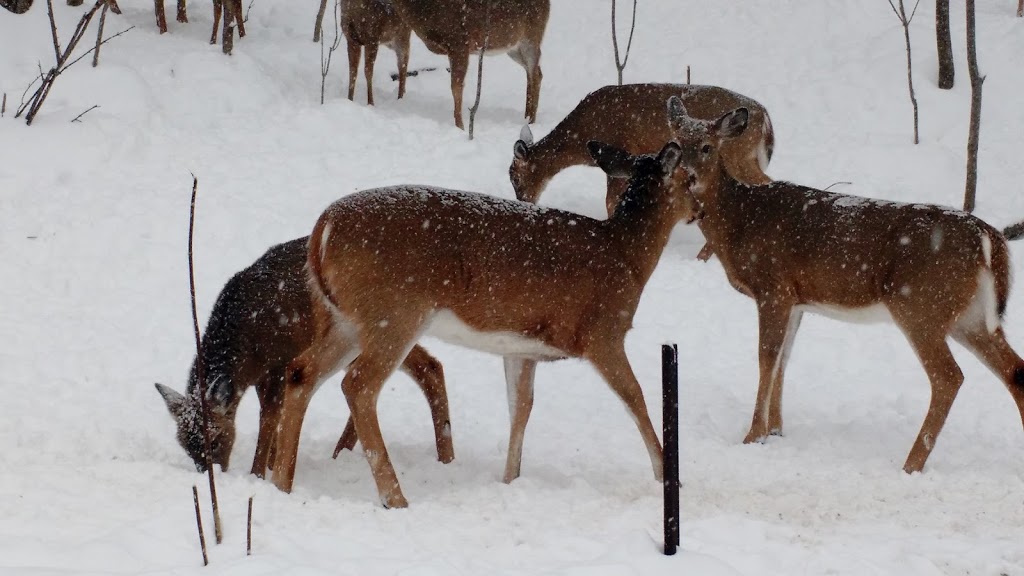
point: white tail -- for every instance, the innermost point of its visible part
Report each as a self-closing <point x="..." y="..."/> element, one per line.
<point x="934" y="271"/>
<point x="397" y="263"/>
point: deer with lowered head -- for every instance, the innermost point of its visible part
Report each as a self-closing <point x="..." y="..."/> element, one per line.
<point x="933" y="271"/>
<point x="260" y="322"/>
<point x="401" y="262"/>
<point x="639" y="127"/>
<point x="457" y="28"/>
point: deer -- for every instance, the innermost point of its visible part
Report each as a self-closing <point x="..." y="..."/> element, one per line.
<point x="640" y="128"/>
<point x="401" y="262"/>
<point x="933" y="271"/>
<point x="367" y="24"/>
<point x="260" y="321"/>
<point x="458" y="28"/>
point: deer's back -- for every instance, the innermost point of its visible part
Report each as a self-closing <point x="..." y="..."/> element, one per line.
<point x="260" y="320"/>
<point x="447" y="26"/>
<point x="632" y="117"/>
<point x="833" y="247"/>
<point x="487" y="259"/>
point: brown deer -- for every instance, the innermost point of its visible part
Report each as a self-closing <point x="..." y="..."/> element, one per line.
<point x="401" y="262"/>
<point x="457" y="29"/>
<point x="637" y="125"/>
<point x="934" y="271"/>
<point x="261" y="321"/>
<point x="368" y="24"/>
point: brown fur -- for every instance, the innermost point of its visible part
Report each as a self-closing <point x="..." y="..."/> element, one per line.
<point x="367" y="24"/>
<point x="456" y="28"/>
<point x="388" y="260"/>
<point x="632" y="117"/>
<point x="260" y="322"/>
<point x="789" y="246"/>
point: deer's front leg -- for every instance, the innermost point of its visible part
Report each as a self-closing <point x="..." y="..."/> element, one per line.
<point x="519" y="375"/>
<point x="775" y="319"/>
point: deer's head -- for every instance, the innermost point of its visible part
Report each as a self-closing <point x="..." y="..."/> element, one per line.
<point x="526" y="179"/>
<point x="700" y="142"/>
<point x="659" y="179"/>
<point x="188" y="415"/>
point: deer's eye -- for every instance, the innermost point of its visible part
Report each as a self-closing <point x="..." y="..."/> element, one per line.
<point x="705" y="149"/>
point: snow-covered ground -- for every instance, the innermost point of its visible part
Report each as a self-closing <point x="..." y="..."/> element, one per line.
<point x="94" y="309"/>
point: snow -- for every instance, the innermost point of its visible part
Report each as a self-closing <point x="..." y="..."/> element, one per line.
<point x="95" y="308"/>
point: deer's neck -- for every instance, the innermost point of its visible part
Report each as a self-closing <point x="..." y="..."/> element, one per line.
<point x="558" y="150"/>
<point x="220" y="381"/>
<point x="641" y="226"/>
<point x="721" y="200"/>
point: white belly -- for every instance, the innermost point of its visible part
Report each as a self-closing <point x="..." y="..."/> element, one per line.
<point x="446" y="326"/>
<point x="874" y="314"/>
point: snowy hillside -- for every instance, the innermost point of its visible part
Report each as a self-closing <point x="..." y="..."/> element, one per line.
<point x="94" y="308"/>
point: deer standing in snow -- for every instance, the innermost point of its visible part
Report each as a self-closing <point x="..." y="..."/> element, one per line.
<point x="401" y="262"/>
<point x="260" y="322"/>
<point x="934" y="271"/>
<point x="632" y="117"/>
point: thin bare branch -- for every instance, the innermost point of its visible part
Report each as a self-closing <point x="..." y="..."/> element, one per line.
<point x="99" y="37"/>
<point x="199" y="525"/>
<point x="248" y="530"/>
<point x="79" y="117"/>
<point x="68" y="65"/>
<point x="53" y="30"/>
<point x="480" y="67"/>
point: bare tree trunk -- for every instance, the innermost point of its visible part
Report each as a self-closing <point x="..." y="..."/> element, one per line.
<point x="318" y="26"/>
<point x="905" y="21"/>
<point x="1020" y="8"/>
<point x="944" y="44"/>
<point x="620" y="65"/>
<point x="99" y="37"/>
<point x="480" y="67"/>
<point x="974" y="135"/>
<point x="325" y="57"/>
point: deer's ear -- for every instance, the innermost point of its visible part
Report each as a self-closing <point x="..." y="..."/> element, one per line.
<point x="521" y="150"/>
<point x="175" y="401"/>
<point x="669" y="157"/>
<point x="526" y="135"/>
<point x="733" y="123"/>
<point x="677" y="116"/>
<point x="615" y="162"/>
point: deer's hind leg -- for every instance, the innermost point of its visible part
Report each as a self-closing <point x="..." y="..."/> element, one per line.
<point x="995" y="352"/>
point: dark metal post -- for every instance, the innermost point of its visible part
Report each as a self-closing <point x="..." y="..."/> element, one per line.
<point x="670" y="435"/>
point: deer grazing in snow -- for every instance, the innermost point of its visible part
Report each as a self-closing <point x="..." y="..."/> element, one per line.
<point x="639" y="127"/>
<point x="260" y="322"/>
<point x="632" y="117"/>
<point x="401" y="262"/>
<point x="457" y="29"/>
<point x="935" y="272"/>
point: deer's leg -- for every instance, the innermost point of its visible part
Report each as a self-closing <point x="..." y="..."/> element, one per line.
<point x="775" y="321"/>
<point x="318" y="27"/>
<point x="369" y="60"/>
<point x="612" y="363"/>
<point x="428" y="374"/>
<point x="706" y="252"/>
<point x="218" y="6"/>
<point x="302" y="376"/>
<point x="239" y="17"/>
<point x="945" y="377"/>
<point x="348" y="438"/>
<point x="459" y="63"/>
<point x="383" y="349"/>
<point x="402" y="53"/>
<point x="269" y="392"/>
<point x="182" y="13"/>
<point x="527" y="55"/>
<point x="161" y="15"/>
<point x="354" y="51"/>
<point x="775" y="403"/>
<point x="995" y="352"/>
<point x="519" y="375"/>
